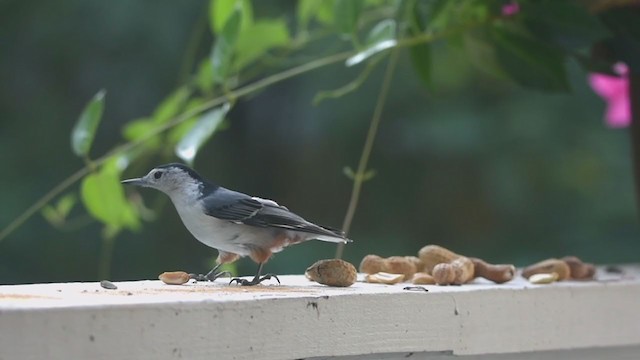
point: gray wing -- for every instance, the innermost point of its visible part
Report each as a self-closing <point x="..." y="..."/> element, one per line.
<point x="240" y="208"/>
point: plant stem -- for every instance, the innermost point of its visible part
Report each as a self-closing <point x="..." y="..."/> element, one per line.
<point x="43" y="201"/>
<point x="634" y="94"/>
<point x="106" y="255"/>
<point x="368" y="146"/>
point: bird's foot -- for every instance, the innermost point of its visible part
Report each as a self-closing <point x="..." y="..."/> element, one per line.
<point x="256" y="280"/>
<point x="210" y="276"/>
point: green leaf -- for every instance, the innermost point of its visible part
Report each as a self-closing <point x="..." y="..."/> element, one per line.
<point x="141" y="128"/>
<point x="623" y="21"/>
<point x="204" y="77"/>
<point x="103" y="196"/>
<point x="421" y="60"/>
<point x="263" y="36"/>
<point x="50" y="214"/>
<point x="305" y="11"/>
<point x="348" y="172"/>
<point x="346" y="13"/>
<point x="85" y="129"/>
<point x="595" y="64"/>
<point x="65" y="204"/>
<point x="563" y="23"/>
<point x="324" y="13"/>
<point x="421" y="53"/>
<point x="171" y="105"/>
<point x="481" y="51"/>
<point x="221" y="10"/>
<point x="189" y="145"/>
<point x="380" y="38"/>
<point x="224" y="47"/>
<point x="180" y="130"/>
<point x="56" y="215"/>
<point x="440" y="13"/>
<point x="321" y="10"/>
<point x="530" y="62"/>
<point x="368" y="175"/>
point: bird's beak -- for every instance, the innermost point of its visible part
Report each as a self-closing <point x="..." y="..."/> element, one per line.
<point x="136" y="182"/>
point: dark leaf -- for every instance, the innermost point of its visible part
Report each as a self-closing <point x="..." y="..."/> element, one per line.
<point x="563" y="23"/>
<point x="224" y="47"/>
<point x="623" y="21"/>
<point x="529" y="62"/>
<point x="421" y="53"/>
<point x="346" y="13"/>
<point x="421" y="60"/>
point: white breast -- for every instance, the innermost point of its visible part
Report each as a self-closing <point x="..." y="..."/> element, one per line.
<point x="220" y="234"/>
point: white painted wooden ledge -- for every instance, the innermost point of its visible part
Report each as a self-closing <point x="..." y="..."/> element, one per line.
<point x="300" y="319"/>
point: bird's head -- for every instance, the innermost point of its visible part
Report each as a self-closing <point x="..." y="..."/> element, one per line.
<point x="172" y="179"/>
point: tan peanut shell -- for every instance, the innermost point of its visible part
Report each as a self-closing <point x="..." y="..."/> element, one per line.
<point x="547" y="267"/>
<point x="432" y="255"/>
<point x="384" y="278"/>
<point x="404" y="265"/>
<point x="416" y="262"/>
<point x="400" y="265"/>
<point x="464" y="270"/>
<point x="174" y="277"/>
<point x="543" y="278"/>
<point x="579" y="269"/>
<point x="332" y="272"/>
<point x="498" y="273"/>
<point x="422" y="278"/>
<point x="443" y="274"/>
<point x="372" y="264"/>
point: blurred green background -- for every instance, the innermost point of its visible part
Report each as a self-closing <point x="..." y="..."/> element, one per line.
<point x="478" y="165"/>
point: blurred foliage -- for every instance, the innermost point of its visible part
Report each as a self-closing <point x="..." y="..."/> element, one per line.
<point x="465" y="159"/>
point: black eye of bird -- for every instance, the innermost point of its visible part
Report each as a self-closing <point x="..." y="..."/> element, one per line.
<point x="157" y="175"/>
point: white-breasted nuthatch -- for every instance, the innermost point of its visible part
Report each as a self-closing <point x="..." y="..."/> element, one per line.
<point x="234" y="223"/>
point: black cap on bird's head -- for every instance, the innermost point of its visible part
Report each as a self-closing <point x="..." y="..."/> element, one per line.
<point x="168" y="178"/>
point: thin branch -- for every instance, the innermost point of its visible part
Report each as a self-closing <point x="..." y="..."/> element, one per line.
<point x="368" y="146"/>
<point x="634" y="94"/>
<point x="43" y="201"/>
<point x="253" y="87"/>
<point x="248" y="89"/>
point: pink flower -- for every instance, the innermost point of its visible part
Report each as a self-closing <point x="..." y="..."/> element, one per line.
<point x="511" y="8"/>
<point x="615" y="91"/>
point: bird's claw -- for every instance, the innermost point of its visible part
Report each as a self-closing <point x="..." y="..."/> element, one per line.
<point x="255" y="281"/>
<point x="210" y="276"/>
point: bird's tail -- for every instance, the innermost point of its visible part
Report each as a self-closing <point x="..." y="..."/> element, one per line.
<point x="337" y="236"/>
<point x="333" y="239"/>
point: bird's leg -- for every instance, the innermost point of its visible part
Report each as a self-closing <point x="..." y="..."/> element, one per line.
<point x="211" y="275"/>
<point x="256" y="279"/>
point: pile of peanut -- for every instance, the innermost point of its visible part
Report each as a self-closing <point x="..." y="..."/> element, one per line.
<point x="433" y="265"/>
<point x="551" y="270"/>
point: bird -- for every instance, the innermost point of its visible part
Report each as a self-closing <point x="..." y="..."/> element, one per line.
<point x="234" y="223"/>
